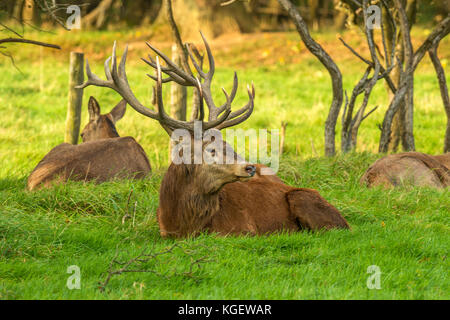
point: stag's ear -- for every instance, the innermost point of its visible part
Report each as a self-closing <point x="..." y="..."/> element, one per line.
<point x="119" y="111"/>
<point x="94" y="109"/>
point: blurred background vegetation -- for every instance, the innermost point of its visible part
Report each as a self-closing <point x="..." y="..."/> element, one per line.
<point x="212" y="16"/>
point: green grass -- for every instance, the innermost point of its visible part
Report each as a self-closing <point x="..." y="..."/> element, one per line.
<point x="404" y="231"/>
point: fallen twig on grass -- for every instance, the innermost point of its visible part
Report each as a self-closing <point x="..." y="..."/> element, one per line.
<point x="138" y="263"/>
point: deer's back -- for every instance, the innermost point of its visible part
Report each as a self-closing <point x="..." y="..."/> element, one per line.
<point x="443" y="159"/>
<point x="413" y="168"/>
<point x="99" y="160"/>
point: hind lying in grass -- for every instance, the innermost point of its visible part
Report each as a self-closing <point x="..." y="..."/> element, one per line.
<point x="409" y="168"/>
<point x="102" y="156"/>
<point x="232" y="198"/>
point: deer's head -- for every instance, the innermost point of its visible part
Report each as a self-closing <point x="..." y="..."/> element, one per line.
<point x="211" y="175"/>
<point x="209" y="163"/>
<point x="102" y="126"/>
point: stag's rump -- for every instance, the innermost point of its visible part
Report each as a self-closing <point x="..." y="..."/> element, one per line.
<point x="99" y="160"/>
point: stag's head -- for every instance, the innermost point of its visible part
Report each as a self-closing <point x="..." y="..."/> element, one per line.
<point x="221" y="165"/>
<point x="102" y="126"/>
<point x="212" y="172"/>
<point x="208" y="160"/>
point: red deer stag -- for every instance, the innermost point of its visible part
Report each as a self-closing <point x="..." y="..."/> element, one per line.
<point x="212" y="197"/>
<point x="102" y="156"/>
<point x="409" y="168"/>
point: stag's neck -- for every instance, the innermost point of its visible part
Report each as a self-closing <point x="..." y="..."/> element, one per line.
<point x="185" y="208"/>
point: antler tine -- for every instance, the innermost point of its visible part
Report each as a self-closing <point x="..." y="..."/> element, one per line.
<point x="123" y="60"/>
<point x="107" y="70"/>
<point x="159" y="100"/>
<point x="172" y="77"/>
<point x="167" y="122"/>
<point x="212" y="67"/>
<point x="233" y="92"/>
<point x="114" y="71"/>
<point x="93" y="79"/>
<point x="189" y="80"/>
<point x="165" y="80"/>
<point x="214" y="111"/>
<point x="152" y="63"/>
<point x="166" y="70"/>
<point x="215" y="123"/>
<point x="242" y="114"/>
<point x="194" y="62"/>
<point x="201" y="106"/>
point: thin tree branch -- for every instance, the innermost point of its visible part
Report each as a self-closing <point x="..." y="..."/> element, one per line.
<point x="440" y="32"/>
<point x="33" y="42"/>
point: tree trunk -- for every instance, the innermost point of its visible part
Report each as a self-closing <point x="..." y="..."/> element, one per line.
<point x="178" y="96"/>
<point x="402" y="126"/>
<point x="18" y="10"/>
<point x="402" y="104"/>
<point x="444" y="91"/>
<point x="333" y="70"/>
<point x="98" y="17"/>
<point x="409" y="19"/>
<point x="76" y="78"/>
<point x="314" y="14"/>
<point x="209" y="17"/>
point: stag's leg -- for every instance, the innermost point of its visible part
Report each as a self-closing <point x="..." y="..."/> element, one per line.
<point x="314" y="212"/>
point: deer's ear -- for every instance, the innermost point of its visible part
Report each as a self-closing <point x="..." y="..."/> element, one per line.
<point x="119" y="111"/>
<point x="94" y="109"/>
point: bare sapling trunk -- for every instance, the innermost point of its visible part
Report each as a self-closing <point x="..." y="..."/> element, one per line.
<point x="402" y="126"/>
<point x="98" y="17"/>
<point x="178" y="95"/>
<point x="76" y="78"/>
<point x="402" y="103"/>
<point x="406" y="19"/>
<point x="196" y="98"/>
<point x="333" y="70"/>
<point x="444" y="91"/>
<point x="350" y="124"/>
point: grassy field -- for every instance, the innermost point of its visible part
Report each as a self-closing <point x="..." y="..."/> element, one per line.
<point x="405" y="232"/>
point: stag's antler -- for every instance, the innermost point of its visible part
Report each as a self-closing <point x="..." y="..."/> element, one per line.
<point x="219" y="117"/>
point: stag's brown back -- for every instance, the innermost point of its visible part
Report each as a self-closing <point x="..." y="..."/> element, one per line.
<point x="409" y="168"/>
<point x="102" y="156"/>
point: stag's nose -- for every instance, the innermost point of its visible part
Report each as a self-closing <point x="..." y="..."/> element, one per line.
<point x="250" y="169"/>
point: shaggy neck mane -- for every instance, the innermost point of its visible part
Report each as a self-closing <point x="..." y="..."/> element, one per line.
<point x="184" y="201"/>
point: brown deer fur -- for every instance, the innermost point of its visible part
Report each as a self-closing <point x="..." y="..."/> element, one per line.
<point x="101" y="157"/>
<point x="409" y="168"/>
<point x="225" y="199"/>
